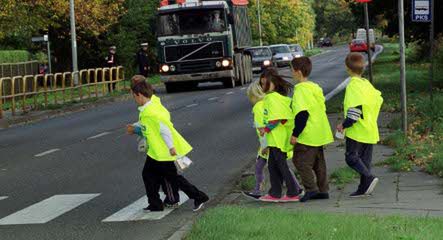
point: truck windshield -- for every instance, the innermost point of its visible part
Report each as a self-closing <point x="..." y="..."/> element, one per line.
<point x="191" y="22"/>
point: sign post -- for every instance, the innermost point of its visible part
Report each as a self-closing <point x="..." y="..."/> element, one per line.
<point x="365" y="2"/>
<point x="401" y="31"/>
<point x="45" y="38"/>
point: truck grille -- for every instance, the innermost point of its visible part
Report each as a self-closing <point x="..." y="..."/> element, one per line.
<point x="208" y="50"/>
<point x="197" y="66"/>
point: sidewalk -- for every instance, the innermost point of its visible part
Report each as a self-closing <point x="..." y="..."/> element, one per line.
<point x="412" y="193"/>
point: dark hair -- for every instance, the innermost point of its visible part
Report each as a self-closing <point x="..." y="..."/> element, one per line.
<point x="142" y="87"/>
<point x="356" y="63"/>
<point x="302" y="64"/>
<point x="281" y="86"/>
<point x="136" y="79"/>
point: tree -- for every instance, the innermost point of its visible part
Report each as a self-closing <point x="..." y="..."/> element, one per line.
<point x="334" y="18"/>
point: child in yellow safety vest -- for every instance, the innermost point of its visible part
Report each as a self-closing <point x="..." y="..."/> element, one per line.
<point x="278" y="128"/>
<point x="165" y="144"/>
<point x="312" y="131"/>
<point x="362" y="105"/>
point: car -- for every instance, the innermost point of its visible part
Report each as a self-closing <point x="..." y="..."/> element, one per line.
<point x="282" y="55"/>
<point x="325" y="42"/>
<point x="261" y="58"/>
<point x="358" y="45"/>
<point x="361" y="34"/>
<point x="297" y="50"/>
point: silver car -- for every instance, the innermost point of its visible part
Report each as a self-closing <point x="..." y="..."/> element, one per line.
<point x="282" y="55"/>
<point x="297" y="50"/>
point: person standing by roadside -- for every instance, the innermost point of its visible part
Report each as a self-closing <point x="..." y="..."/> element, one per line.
<point x="111" y="62"/>
<point x="311" y="133"/>
<point x="361" y="109"/>
<point x="143" y="60"/>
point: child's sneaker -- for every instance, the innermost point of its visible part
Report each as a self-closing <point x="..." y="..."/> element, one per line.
<point x="290" y="199"/>
<point x="269" y="198"/>
<point x="153" y="209"/>
<point x="308" y="196"/>
<point x="252" y="195"/>
<point x="321" y="195"/>
<point x="372" y="182"/>
<point x="198" y="204"/>
<point x="358" y="194"/>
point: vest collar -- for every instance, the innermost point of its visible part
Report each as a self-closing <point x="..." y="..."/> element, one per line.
<point x="140" y="109"/>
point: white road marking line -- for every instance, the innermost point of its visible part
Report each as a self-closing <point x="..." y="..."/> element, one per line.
<point x="98" y="135"/>
<point x="47" y="152"/>
<point x="192" y="105"/>
<point x="47" y="209"/>
<point x="212" y="99"/>
<point x="229" y="93"/>
<point x="243" y="88"/>
<point x="134" y="212"/>
<point x="3" y="197"/>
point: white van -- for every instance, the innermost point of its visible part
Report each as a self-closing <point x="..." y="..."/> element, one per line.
<point x="361" y="34"/>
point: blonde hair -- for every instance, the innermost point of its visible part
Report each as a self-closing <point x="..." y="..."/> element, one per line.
<point x="255" y="92"/>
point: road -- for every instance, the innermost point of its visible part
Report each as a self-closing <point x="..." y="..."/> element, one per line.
<point x="63" y="178"/>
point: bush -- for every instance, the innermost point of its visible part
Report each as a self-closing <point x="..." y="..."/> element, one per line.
<point x="14" y="56"/>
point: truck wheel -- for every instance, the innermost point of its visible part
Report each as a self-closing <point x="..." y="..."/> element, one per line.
<point x="249" y="69"/>
<point x="229" y="82"/>
<point x="237" y="60"/>
<point x="239" y="66"/>
<point x="171" y="87"/>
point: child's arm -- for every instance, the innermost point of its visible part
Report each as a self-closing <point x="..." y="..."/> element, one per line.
<point x="352" y="116"/>
<point x="300" y="123"/>
<point x="271" y="125"/>
<point x="166" y="135"/>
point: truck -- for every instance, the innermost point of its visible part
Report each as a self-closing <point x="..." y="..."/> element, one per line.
<point x="203" y="41"/>
<point x="361" y="35"/>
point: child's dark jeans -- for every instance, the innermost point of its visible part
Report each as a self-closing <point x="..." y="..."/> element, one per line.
<point x="359" y="157"/>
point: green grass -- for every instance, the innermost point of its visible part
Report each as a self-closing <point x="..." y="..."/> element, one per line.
<point x="154" y="80"/>
<point x="233" y="222"/>
<point x="342" y="176"/>
<point x="247" y="183"/>
<point x="312" y="52"/>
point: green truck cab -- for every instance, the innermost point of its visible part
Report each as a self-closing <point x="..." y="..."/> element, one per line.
<point x="204" y="41"/>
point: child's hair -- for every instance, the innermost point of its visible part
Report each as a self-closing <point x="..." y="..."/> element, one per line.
<point x="140" y="86"/>
<point x="356" y="63"/>
<point x="281" y="86"/>
<point x="302" y="64"/>
<point x="255" y="92"/>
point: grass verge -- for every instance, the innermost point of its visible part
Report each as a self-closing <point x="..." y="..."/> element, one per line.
<point x="342" y="176"/>
<point x="312" y="52"/>
<point x="234" y="222"/>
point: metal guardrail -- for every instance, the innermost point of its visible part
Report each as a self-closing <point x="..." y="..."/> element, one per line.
<point x="19" y="89"/>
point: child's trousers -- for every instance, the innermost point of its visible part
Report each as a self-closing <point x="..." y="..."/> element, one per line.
<point x="311" y="165"/>
<point x="359" y="158"/>
<point x="279" y="172"/>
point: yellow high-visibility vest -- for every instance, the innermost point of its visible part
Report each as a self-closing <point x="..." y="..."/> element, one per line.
<point x="150" y="119"/>
<point x="361" y="92"/>
<point x="308" y="96"/>
<point x="258" y="111"/>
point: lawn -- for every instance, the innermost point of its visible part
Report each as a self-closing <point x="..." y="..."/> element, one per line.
<point x="342" y="176"/>
<point x="234" y="222"/>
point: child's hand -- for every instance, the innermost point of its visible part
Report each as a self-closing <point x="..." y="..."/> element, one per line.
<point x="173" y="152"/>
<point x="293" y="140"/>
<point x="265" y="151"/>
<point x="262" y="131"/>
<point x="340" y="128"/>
<point x="130" y="129"/>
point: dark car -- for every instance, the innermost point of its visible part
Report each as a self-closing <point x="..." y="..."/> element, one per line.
<point x="261" y="58"/>
<point x="325" y="42"/>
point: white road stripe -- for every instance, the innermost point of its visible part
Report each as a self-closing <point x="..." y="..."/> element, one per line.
<point x="213" y="98"/>
<point x="47" y="152"/>
<point x="229" y="93"/>
<point x="243" y="88"/>
<point x="47" y="209"/>
<point x="134" y="212"/>
<point x="99" y="135"/>
<point x="192" y="105"/>
<point x="3" y="198"/>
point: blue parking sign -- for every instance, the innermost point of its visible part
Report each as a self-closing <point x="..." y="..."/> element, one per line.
<point x="421" y="10"/>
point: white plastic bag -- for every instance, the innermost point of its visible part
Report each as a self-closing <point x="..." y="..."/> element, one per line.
<point x="183" y="163"/>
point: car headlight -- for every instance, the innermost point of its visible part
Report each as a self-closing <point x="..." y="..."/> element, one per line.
<point x="267" y="63"/>
<point x="297" y="55"/>
<point x="172" y="67"/>
<point x="165" y="68"/>
<point x="218" y="64"/>
<point x="226" y="63"/>
<point x="285" y="58"/>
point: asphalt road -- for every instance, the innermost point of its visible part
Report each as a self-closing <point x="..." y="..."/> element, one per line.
<point x="60" y="178"/>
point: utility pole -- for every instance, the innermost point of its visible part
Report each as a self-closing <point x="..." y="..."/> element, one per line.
<point x="49" y="53"/>
<point x="73" y="42"/>
<point x="401" y="25"/>
<point x="368" y="41"/>
<point x="431" y="53"/>
<point x="259" y="22"/>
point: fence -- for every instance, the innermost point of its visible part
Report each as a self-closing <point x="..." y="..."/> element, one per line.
<point x="19" y="69"/>
<point x="30" y="92"/>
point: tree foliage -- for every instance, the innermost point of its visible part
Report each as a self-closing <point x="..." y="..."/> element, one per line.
<point x="334" y="18"/>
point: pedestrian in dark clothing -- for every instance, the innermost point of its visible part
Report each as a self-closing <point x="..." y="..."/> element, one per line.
<point x="143" y="60"/>
<point x="111" y="62"/>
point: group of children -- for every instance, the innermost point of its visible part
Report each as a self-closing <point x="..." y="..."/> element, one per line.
<point x="299" y="128"/>
<point x="296" y="128"/>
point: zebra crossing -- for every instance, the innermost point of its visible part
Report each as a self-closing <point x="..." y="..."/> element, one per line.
<point x="53" y="207"/>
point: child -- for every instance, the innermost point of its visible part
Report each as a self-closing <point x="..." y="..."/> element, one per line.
<point x="278" y="127"/>
<point x="312" y="131"/>
<point x="164" y="145"/>
<point x="361" y="107"/>
<point x="172" y="197"/>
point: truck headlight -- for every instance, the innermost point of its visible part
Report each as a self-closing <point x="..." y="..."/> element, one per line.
<point x="172" y="68"/>
<point x="267" y="63"/>
<point x="218" y="64"/>
<point x="165" y="68"/>
<point x="297" y="55"/>
<point x="226" y="63"/>
<point x="285" y="58"/>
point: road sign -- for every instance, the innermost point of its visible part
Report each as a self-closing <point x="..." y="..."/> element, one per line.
<point x="421" y="10"/>
<point x="40" y="39"/>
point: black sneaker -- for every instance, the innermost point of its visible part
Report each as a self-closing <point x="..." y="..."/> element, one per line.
<point x="153" y="209"/>
<point x="370" y="186"/>
<point x="308" y="196"/>
<point x="198" y="204"/>
<point x="357" y="194"/>
<point x="321" y="195"/>
<point x="254" y="196"/>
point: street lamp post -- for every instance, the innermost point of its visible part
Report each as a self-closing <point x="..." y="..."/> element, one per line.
<point x="401" y="31"/>
<point x="73" y="42"/>
<point x="259" y="22"/>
